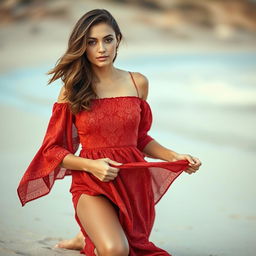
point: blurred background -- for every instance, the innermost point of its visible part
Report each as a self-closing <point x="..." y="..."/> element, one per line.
<point x="199" y="57"/>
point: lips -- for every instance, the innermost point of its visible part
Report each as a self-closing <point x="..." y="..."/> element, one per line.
<point x="102" y="57"/>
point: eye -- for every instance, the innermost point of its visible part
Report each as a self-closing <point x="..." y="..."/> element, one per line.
<point x="90" y="42"/>
<point x="109" y="40"/>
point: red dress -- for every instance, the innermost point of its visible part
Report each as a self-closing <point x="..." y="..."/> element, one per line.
<point x="116" y="128"/>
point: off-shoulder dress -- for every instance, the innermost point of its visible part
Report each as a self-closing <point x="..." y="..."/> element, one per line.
<point x="117" y="128"/>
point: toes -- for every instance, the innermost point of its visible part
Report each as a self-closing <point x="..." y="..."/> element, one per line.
<point x="62" y="244"/>
<point x="70" y="244"/>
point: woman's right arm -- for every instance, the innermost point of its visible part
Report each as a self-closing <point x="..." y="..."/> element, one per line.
<point x="74" y="162"/>
<point x="100" y="168"/>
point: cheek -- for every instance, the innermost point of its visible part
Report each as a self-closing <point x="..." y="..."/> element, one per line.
<point x="89" y="53"/>
<point x="112" y="48"/>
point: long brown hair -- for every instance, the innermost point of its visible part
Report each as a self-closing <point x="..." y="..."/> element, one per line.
<point x="74" y="68"/>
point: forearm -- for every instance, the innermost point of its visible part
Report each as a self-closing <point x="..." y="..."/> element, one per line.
<point x="156" y="150"/>
<point x="74" y="162"/>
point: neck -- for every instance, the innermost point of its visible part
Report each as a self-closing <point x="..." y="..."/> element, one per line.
<point x="106" y="73"/>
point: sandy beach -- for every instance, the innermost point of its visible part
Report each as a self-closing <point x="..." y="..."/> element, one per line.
<point x="203" y="99"/>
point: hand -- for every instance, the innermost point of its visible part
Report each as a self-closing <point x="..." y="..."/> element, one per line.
<point x="101" y="169"/>
<point x="194" y="162"/>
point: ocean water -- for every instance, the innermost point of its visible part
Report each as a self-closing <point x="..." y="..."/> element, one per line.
<point x="210" y="97"/>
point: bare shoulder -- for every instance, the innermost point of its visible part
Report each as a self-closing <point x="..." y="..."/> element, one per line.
<point x="62" y="95"/>
<point x="142" y="84"/>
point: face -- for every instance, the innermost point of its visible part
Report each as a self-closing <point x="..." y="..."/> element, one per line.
<point x="101" y="41"/>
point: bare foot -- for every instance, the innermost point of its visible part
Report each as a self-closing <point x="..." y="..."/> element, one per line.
<point x="95" y="251"/>
<point x="76" y="243"/>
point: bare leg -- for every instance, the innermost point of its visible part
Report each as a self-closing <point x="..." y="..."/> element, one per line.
<point x="76" y="243"/>
<point x="99" y="218"/>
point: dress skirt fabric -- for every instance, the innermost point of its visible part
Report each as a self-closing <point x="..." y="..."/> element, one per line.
<point x="115" y="128"/>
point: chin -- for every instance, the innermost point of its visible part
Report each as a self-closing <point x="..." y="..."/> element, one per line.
<point x="103" y="64"/>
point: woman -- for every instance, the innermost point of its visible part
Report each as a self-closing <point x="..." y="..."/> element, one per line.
<point x="114" y="189"/>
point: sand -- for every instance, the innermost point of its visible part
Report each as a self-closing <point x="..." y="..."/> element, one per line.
<point x="208" y="213"/>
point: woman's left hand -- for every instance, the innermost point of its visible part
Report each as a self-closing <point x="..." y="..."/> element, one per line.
<point x="194" y="162"/>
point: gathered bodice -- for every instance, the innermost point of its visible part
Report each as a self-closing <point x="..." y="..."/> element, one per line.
<point x="111" y="122"/>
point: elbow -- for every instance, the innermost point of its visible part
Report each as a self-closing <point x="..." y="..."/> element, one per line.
<point x="143" y="142"/>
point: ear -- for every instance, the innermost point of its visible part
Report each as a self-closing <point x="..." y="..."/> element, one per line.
<point x="118" y="40"/>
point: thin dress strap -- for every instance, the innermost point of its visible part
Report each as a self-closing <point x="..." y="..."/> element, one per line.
<point x="134" y="83"/>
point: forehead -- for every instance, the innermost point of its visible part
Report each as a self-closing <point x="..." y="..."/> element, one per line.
<point x="100" y="30"/>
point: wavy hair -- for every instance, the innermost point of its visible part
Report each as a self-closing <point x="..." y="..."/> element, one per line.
<point x="74" y="68"/>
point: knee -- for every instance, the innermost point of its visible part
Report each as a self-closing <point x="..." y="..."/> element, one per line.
<point x="114" y="250"/>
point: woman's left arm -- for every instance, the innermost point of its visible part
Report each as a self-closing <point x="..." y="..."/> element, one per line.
<point x="149" y="146"/>
<point x="155" y="150"/>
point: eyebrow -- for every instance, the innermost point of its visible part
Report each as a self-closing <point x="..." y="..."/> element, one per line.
<point x="103" y="37"/>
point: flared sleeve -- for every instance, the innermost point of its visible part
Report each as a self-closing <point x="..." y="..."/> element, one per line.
<point x="61" y="139"/>
<point x="144" y="126"/>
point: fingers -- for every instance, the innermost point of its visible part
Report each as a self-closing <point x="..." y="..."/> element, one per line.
<point x="111" y="176"/>
<point x="193" y="168"/>
<point x="190" y="159"/>
<point x="113" y="162"/>
<point x="110" y="161"/>
<point x="194" y="162"/>
<point x="197" y="161"/>
<point x="113" y="171"/>
<point x="190" y="170"/>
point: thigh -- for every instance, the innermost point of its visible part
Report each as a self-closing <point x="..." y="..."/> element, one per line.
<point x="98" y="217"/>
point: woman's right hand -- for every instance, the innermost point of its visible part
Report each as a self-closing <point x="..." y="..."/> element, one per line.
<point x="101" y="169"/>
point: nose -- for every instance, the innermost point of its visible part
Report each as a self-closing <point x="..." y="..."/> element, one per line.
<point x="101" y="47"/>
